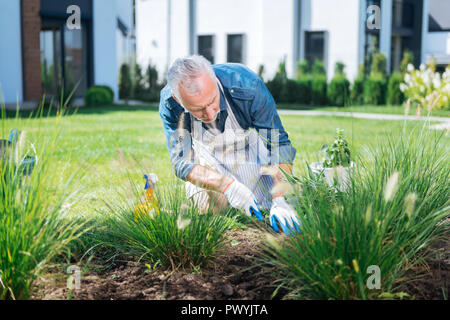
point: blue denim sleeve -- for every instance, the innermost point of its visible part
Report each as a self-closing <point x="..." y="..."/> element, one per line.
<point x="178" y="138"/>
<point x="265" y="116"/>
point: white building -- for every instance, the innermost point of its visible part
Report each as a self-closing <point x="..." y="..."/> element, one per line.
<point x="264" y="32"/>
<point x="39" y="53"/>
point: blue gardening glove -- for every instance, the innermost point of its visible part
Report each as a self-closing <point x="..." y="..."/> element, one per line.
<point x="283" y="215"/>
<point x="240" y="197"/>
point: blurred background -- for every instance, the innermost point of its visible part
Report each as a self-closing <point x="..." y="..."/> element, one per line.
<point x="128" y="45"/>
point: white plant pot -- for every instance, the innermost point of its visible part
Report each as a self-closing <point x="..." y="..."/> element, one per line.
<point x="340" y="174"/>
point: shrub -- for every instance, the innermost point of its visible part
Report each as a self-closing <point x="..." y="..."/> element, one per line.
<point x="107" y="88"/>
<point x="139" y="81"/>
<point x="304" y="83"/>
<point x="319" y="90"/>
<point x="291" y="92"/>
<point x="318" y="68"/>
<point x="338" y="89"/>
<point x="396" y="206"/>
<point x="277" y="86"/>
<point x="97" y="96"/>
<point x="357" y="91"/>
<point x="375" y="89"/>
<point x="395" y="95"/>
<point x="152" y="89"/>
<point x="125" y="85"/>
<point x="302" y="69"/>
<point x="304" y="90"/>
<point x="378" y="64"/>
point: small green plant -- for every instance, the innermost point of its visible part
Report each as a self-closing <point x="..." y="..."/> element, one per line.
<point x="176" y="237"/>
<point x="338" y="153"/>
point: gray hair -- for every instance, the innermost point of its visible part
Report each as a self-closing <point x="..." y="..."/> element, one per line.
<point x="184" y="70"/>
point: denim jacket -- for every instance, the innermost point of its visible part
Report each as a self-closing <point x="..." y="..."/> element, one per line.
<point x="251" y="103"/>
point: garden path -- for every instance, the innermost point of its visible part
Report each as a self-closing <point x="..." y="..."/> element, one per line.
<point x="444" y="125"/>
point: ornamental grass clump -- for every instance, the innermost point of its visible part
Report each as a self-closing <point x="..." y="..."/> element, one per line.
<point x="396" y="206"/>
<point x="174" y="236"/>
<point x="33" y="225"/>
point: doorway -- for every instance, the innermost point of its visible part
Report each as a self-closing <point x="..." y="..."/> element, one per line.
<point x="64" y="59"/>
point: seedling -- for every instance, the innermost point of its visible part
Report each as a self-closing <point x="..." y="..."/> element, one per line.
<point x="338" y="153"/>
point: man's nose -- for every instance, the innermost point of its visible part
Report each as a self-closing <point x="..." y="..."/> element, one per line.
<point x="210" y="113"/>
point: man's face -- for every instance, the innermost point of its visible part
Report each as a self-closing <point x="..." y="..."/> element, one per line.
<point x="205" y="104"/>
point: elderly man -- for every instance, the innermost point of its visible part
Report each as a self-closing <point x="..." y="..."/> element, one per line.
<point x="222" y="128"/>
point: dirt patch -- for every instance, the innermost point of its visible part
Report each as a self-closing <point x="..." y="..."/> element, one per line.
<point x="234" y="275"/>
<point x="431" y="281"/>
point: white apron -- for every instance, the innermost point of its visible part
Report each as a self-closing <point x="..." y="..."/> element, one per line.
<point x="232" y="153"/>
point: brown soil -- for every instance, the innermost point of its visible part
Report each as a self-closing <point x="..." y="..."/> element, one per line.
<point x="234" y="275"/>
<point x="431" y="281"/>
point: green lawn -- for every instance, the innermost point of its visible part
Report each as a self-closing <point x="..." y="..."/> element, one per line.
<point x="91" y="138"/>
<point x="396" y="109"/>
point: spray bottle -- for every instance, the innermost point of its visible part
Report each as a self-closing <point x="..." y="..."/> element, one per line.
<point x="148" y="205"/>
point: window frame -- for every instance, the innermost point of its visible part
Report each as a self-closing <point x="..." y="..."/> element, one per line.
<point x="325" y="47"/>
<point x="213" y="46"/>
<point x="243" y="48"/>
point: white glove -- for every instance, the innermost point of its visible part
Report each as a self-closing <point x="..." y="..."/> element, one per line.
<point x="240" y="197"/>
<point x="284" y="215"/>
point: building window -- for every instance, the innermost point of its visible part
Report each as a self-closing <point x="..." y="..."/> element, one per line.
<point x="206" y="47"/>
<point x="235" y="48"/>
<point x="402" y="14"/>
<point x="51" y="68"/>
<point x="66" y="54"/>
<point x="64" y="58"/>
<point x="438" y="20"/>
<point x="314" y="46"/>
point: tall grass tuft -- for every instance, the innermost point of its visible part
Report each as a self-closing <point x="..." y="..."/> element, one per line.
<point x="396" y="206"/>
<point x="177" y="236"/>
<point x="33" y="227"/>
